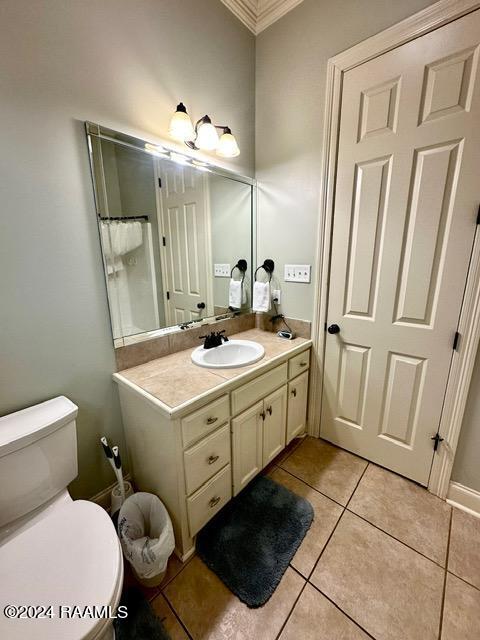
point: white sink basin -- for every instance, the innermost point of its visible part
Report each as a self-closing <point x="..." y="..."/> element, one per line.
<point x="231" y="354"/>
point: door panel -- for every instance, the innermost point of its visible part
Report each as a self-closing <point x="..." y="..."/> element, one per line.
<point x="274" y="426"/>
<point x="247" y="429"/>
<point x="406" y="198"/>
<point x="184" y="213"/>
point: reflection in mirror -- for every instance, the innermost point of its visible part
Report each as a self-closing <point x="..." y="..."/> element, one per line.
<point x="172" y="236"/>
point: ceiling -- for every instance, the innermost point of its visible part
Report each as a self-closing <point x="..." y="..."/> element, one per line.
<point x="257" y="15"/>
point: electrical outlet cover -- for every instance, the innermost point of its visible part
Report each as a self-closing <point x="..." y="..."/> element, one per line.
<point x="221" y="270"/>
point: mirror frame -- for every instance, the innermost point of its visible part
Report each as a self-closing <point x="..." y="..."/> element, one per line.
<point x="138" y="144"/>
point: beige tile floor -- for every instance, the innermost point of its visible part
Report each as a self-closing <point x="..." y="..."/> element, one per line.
<point x="384" y="559"/>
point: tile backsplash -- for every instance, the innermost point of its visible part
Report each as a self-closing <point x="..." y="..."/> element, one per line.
<point x="134" y="354"/>
<point x="138" y="353"/>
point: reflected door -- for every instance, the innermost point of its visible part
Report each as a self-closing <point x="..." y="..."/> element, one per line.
<point x="405" y="216"/>
<point x="185" y="228"/>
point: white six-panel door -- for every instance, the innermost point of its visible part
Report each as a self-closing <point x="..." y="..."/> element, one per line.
<point x="184" y="222"/>
<point x="406" y="200"/>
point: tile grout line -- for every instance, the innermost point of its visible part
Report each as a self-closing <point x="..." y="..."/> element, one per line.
<point x="334" y="529"/>
<point x="184" y="565"/>
<point x="178" y="617"/>
<point x="342" y="611"/>
<point x="305" y="582"/>
<point x="356" y="486"/>
<point x="311" y="486"/>
<point x="345" y="507"/>
<point x="444" y="589"/>
<point x="394" y="538"/>
<point x="452" y="573"/>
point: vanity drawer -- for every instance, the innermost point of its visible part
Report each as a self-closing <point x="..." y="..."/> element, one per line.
<point x="257" y="389"/>
<point x="206" y="458"/>
<point x="299" y="363"/>
<point x="208" y="500"/>
<point x="199" y="423"/>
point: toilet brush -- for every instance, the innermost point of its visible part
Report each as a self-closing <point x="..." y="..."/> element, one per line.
<point x="118" y="471"/>
<point x="108" y="452"/>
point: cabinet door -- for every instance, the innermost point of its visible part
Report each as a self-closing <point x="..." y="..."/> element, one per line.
<point x="297" y="406"/>
<point x="274" y="426"/>
<point x="247" y="446"/>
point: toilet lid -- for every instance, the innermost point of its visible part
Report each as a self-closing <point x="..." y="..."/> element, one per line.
<point x="72" y="557"/>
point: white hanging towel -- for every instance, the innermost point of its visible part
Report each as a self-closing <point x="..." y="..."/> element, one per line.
<point x="261" y="297"/>
<point x="235" y="294"/>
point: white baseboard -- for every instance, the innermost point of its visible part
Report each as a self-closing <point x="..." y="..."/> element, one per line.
<point x="464" y="498"/>
<point x="103" y="497"/>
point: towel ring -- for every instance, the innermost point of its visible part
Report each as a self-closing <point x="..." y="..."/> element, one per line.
<point x="242" y="266"/>
<point x="268" y="266"/>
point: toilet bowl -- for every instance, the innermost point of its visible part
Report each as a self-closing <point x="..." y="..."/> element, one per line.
<point x="61" y="567"/>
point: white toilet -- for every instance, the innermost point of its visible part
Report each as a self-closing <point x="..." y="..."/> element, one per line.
<point x="53" y="551"/>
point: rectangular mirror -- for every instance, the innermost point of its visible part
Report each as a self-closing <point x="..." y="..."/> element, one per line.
<point x="173" y="234"/>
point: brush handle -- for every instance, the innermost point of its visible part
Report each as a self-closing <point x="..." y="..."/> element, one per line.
<point x="118" y="471"/>
<point x="108" y="452"/>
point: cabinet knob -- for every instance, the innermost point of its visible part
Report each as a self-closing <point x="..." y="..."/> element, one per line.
<point x="212" y="459"/>
<point x="262" y="415"/>
<point x="211" y="420"/>
<point x="270" y="410"/>
<point x="294" y="393"/>
<point x="214" y="501"/>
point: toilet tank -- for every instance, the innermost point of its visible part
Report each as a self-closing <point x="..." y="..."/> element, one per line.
<point x="38" y="456"/>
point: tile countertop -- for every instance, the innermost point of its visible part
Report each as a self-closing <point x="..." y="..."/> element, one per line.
<point x="175" y="383"/>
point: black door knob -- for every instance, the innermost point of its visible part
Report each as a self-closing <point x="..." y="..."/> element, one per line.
<point x="333" y="328"/>
<point x="201" y="305"/>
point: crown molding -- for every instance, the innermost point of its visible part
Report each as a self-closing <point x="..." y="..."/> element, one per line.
<point x="257" y="15"/>
<point x="246" y="12"/>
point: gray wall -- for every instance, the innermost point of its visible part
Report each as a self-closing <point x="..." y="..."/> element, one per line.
<point x="231" y="228"/>
<point x="291" y="64"/>
<point x="124" y="64"/>
<point x="466" y="469"/>
<point x="292" y="57"/>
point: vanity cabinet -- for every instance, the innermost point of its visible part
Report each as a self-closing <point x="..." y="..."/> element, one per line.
<point x="274" y="423"/>
<point x="297" y="406"/>
<point x="247" y="446"/>
<point x="198" y="455"/>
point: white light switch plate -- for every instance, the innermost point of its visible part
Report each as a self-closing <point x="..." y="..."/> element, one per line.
<point x="221" y="270"/>
<point x="297" y="272"/>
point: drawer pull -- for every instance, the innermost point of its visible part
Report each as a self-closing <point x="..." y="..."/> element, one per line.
<point x="214" y="501"/>
<point x="211" y="420"/>
<point x="270" y="410"/>
<point x="303" y="363"/>
<point x="212" y="459"/>
<point x="294" y="393"/>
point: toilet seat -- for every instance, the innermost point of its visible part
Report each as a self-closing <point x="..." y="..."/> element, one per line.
<point x="72" y="557"/>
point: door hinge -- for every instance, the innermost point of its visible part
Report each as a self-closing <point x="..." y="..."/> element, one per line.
<point x="437" y="439"/>
<point x="168" y="295"/>
<point x="456" y="340"/>
<point x="164" y="241"/>
<point x="478" y="215"/>
<point x="160" y="183"/>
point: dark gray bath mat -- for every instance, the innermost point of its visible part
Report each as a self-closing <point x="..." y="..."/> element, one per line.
<point x="250" y="542"/>
<point x="141" y="623"/>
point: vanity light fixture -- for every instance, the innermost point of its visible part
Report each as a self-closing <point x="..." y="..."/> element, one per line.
<point x="204" y="135"/>
<point x="181" y="127"/>
<point x="178" y="158"/>
<point x="155" y="149"/>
